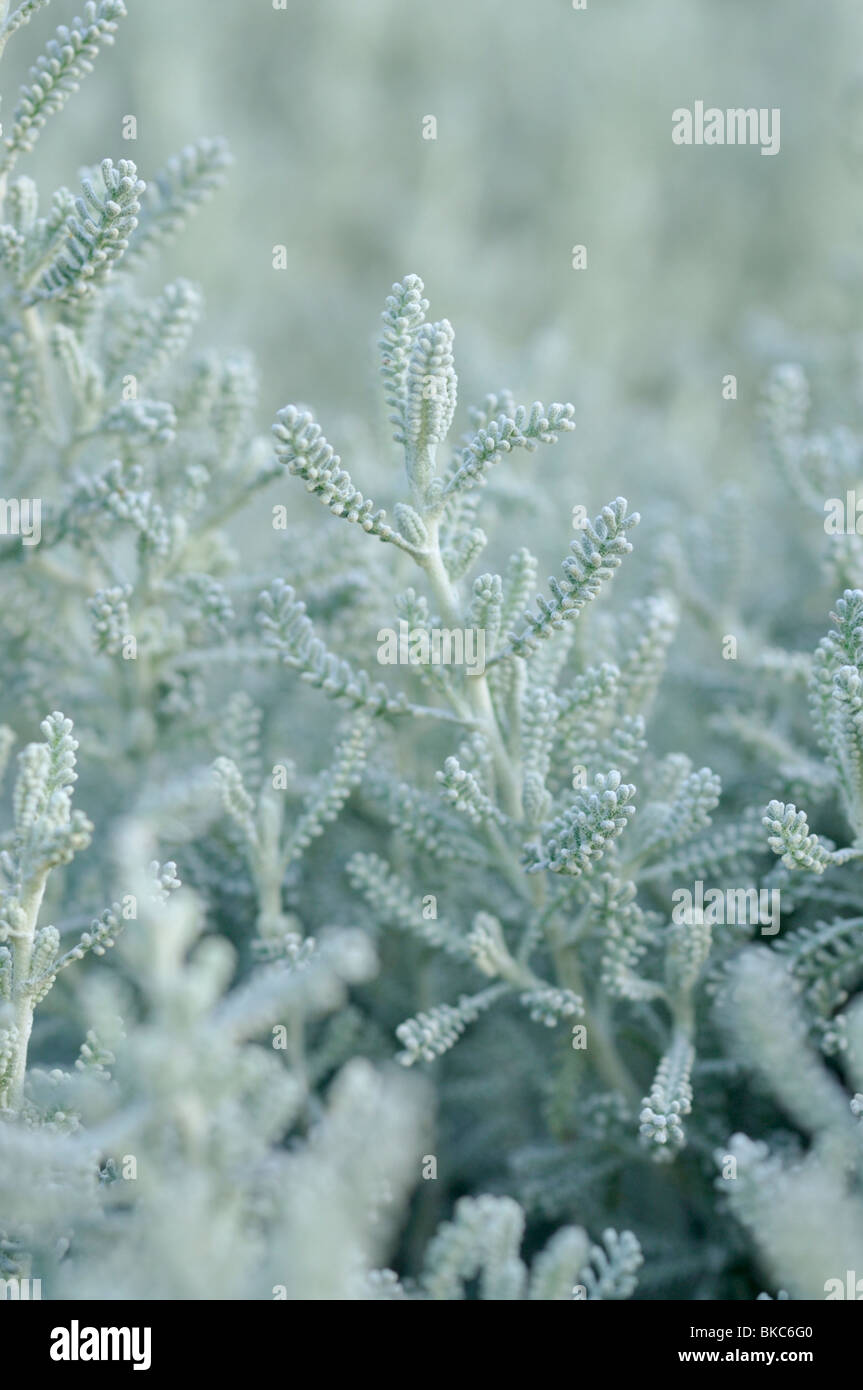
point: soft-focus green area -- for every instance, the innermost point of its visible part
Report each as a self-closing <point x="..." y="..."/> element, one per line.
<point x="554" y="127"/>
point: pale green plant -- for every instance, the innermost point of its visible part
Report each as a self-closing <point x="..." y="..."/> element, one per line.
<point x="419" y="1022"/>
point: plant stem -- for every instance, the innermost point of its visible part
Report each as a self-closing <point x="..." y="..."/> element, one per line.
<point x="604" y="1054"/>
<point x="601" y="1046"/>
<point x="479" y="694"/>
<point x="22" y="953"/>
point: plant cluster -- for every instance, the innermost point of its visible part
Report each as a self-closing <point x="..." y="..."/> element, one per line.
<point x="325" y="878"/>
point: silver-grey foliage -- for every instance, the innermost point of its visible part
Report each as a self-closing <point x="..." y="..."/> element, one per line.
<point x="318" y="871"/>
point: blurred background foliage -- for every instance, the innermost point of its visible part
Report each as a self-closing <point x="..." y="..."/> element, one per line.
<point x="554" y="128"/>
